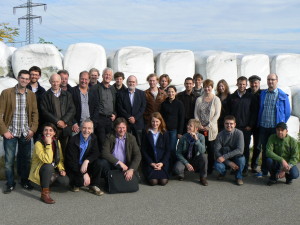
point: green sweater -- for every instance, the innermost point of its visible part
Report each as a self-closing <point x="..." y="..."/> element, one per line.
<point x="279" y="149"/>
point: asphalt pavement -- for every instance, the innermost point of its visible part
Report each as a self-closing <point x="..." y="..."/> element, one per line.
<point x="179" y="202"/>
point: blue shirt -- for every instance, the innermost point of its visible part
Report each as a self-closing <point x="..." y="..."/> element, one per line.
<point x="131" y="96"/>
<point x="268" y="119"/>
<point x="83" y="146"/>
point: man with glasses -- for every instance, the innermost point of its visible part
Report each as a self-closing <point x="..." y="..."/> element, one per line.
<point x="274" y="107"/>
<point x="18" y="123"/>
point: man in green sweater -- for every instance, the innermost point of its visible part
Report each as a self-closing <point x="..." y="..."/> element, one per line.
<point x="282" y="155"/>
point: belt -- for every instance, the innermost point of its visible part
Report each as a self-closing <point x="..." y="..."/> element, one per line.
<point x="103" y="115"/>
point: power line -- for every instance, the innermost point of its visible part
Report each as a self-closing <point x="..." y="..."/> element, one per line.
<point x="29" y="18"/>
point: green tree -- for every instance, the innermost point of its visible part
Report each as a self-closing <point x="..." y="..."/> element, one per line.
<point x="8" y="33"/>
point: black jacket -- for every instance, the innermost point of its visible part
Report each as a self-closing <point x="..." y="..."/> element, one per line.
<point x="125" y="109"/>
<point x="73" y="153"/>
<point x="77" y="102"/>
<point x="67" y="110"/>
<point x="244" y="109"/>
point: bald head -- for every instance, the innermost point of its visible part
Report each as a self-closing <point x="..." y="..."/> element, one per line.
<point x="55" y="81"/>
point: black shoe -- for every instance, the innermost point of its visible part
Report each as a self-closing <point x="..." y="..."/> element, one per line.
<point x="245" y="173"/>
<point x="27" y="186"/>
<point x="8" y="189"/>
<point x="254" y="170"/>
<point x="180" y="178"/>
<point x="271" y="182"/>
<point x="288" y="181"/>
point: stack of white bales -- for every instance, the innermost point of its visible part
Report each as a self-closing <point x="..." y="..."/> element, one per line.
<point x="83" y="56"/>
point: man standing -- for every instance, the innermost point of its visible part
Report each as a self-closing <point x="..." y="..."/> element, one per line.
<point x="94" y="76"/>
<point x="58" y="108"/>
<point x="18" y="123"/>
<point x="188" y="99"/>
<point x="198" y="89"/>
<point x="229" y="147"/>
<point x="103" y="109"/>
<point x="254" y="89"/>
<point x="244" y="107"/>
<point x="120" y="150"/>
<point x="64" y="75"/>
<point x="82" y="163"/>
<point x="35" y="87"/>
<point x="274" y="107"/>
<point x="282" y="152"/>
<point x="131" y="104"/>
<point x="119" y="78"/>
<point x="154" y="97"/>
<point x="80" y="94"/>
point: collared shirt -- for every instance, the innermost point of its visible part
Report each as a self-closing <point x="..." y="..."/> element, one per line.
<point x="83" y="146"/>
<point x="106" y="105"/>
<point x="131" y="96"/>
<point x="19" y="123"/>
<point x="240" y="94"/>
<point x="56" y="94"/>
<point x="268" y="119"/>
<point x="119" y="149"/>
<point x="155" y="136"/>
<point x="85" y="111"/>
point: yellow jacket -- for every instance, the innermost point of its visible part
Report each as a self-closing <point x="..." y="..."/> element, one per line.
<point x="43" y="154"/>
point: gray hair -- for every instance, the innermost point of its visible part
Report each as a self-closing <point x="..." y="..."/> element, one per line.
<point x="108" y="69"/>
<point x="86" y="121"/>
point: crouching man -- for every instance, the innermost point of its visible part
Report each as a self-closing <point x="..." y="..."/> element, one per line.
<point x="83" y="165"/>
<point x="120" y="150"/>
<point x="229" y="147"/>
<point x="282" y="155"/>
<point x="191" y="153"/>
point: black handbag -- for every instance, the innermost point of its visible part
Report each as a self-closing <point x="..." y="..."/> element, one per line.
<point x="118" y="184"/>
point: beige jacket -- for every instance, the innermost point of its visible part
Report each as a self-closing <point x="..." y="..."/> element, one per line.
<point x="215" y="111"/>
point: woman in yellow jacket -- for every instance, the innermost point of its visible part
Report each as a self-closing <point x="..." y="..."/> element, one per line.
<point x="47" y="163"/>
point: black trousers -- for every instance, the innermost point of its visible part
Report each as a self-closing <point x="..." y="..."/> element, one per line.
<point x="48" y="175"/>
<point x="103" y="128"/>
<point x="94" y="171"/>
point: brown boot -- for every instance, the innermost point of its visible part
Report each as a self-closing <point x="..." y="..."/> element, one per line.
<point x="45" y="196"/>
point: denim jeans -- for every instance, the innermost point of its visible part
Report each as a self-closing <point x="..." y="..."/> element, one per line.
<point x="23" y="158"/>
<point x="264" y="134"/>
<point x="240" y="161"/>
<point x="173" y="143"/>
<point x="274" y="168"/>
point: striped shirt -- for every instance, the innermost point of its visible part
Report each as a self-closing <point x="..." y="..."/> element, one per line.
<point x="268" y="119"/>
<point x="19" y="123"/>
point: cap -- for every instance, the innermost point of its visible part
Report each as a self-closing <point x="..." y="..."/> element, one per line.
<point x="254" y="78"/>
<point x="282" y="125"/>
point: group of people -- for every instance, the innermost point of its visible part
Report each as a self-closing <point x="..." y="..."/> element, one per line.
<point x="83" y="132"/>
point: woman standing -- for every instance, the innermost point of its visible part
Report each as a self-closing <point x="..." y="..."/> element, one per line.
<point x="164" y="81"/>
<point x="47" y="163"/>
<point x="155" y="151"/>
<point x="172" y="111"/>
<point x="207" y="111"/>
<point x="222" y="92"/>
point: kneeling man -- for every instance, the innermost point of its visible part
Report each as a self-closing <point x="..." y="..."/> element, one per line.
<point x="282" y="155"/>
<point x="229" y="147"/>
<point x="120" y="151"/>
<point x="83" y="165"/>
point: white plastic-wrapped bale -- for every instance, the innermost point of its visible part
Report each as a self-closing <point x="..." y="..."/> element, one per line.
<point x="178" y="64"/>
<point x="257" y="64"/>
<point x="287" y="67"/>
<point x="7" y="82"/>
<point x="293" y="126"/>
<point x="296" y="101"/>
<point x="84" y="56"/>
<point x="5" y="56"/>
<point x="217" y="65"/>
<point x="45" y="56"/>
<point x="134" y="60"/>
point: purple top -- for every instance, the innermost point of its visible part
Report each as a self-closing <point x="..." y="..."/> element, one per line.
<point x="119" y="149"/>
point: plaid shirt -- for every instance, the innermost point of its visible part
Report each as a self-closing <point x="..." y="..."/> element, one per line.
<point x="19" y="123"/>
<point x="268" y="119"/>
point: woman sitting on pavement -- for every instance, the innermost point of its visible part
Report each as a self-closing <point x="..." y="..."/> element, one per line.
<point x="156" y="151"/>
<point x="191" y="153"/>
<point x="47" y="163"/>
